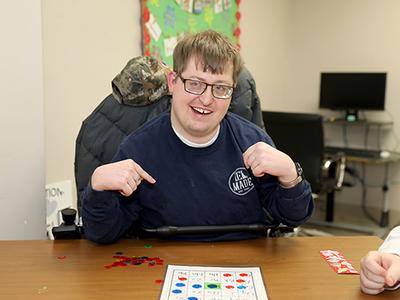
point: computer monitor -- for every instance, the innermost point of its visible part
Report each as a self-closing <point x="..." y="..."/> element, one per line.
<point x="352" y="92"/>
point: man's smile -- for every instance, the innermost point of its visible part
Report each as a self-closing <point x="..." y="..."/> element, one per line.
<point x="201" y="110"/>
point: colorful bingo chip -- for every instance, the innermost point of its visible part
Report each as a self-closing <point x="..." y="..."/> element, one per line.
<point x="123" y="261"/>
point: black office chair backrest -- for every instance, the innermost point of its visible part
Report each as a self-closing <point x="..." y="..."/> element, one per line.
<point x="301" y="136"/>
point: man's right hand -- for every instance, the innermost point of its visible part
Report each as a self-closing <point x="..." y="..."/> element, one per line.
<point x="123" y="176"/>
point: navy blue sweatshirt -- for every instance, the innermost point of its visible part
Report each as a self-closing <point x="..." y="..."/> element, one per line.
<point x="194" y="186"/>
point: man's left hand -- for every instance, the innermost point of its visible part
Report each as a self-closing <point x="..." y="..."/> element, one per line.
<point x="263" y="159"/>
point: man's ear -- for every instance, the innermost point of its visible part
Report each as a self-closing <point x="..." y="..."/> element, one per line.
<point x="171" y="80"/>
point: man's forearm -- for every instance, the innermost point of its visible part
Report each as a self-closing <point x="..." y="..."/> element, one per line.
<point x="103" y="218"/>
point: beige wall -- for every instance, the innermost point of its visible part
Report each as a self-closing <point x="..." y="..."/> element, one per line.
<point x="264" y="42"/>
<point x="285" y="43"/>
<point x="343" y="35"/>
<point x="86" y="43"/>
<point x="22" y="197"/>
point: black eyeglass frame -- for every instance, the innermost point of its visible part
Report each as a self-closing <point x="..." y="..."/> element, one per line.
<point x="232" y="88"/>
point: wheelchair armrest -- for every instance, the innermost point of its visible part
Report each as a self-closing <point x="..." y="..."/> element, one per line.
<point x="270" y="229"/>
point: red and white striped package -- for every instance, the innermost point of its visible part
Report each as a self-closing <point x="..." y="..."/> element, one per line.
<point x="337" y="262"/>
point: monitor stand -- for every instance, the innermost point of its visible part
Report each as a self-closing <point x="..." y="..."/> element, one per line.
<point x="351" y="115"/>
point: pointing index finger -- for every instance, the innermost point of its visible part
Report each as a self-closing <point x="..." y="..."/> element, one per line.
<point x="144" y="174"/>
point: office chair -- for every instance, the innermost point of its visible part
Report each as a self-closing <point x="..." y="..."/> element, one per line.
<point x="301" y="136"/>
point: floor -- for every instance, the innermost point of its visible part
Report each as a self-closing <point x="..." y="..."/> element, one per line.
<point x="349" y="220"/>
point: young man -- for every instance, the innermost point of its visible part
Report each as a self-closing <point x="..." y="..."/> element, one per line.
<point x="198" y="164"/>
<point x="380" y="270"/>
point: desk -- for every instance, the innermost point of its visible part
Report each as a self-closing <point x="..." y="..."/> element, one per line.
<point x="357" y="157"/>
<point x="386" y="161"/>
<point x="393" y="158"/>
<point x="292" y="267"/>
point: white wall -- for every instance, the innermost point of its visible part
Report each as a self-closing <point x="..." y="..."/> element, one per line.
<point x="265" y="38"/>
<point x="347" y="35"/>
<point x="287" y="43"/>
<point x="86" y="43"/>
<point x="22" y="196"/>
<point x="342" y="35"/>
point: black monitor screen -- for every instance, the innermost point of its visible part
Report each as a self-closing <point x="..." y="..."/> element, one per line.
<point x="358" y="91"/>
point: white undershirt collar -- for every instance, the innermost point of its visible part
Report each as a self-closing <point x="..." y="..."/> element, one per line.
<point x="196" y="145"/>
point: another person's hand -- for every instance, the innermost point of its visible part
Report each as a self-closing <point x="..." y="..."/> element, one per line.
<point x="265" y="159"/>
<point x="123" y="176"/>
<point x="379" y="270"/>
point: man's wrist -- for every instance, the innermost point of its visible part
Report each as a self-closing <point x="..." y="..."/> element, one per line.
<point x="290" y="184"/>
<point x="296" y="181"/>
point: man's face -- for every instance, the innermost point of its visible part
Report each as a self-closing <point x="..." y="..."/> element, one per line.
<point x="197" y="117"/>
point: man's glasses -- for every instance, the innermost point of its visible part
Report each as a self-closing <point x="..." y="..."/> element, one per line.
<point x="196" y="87"/>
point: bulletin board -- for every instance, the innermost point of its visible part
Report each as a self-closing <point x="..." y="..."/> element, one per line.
<point x="164" y="22"/>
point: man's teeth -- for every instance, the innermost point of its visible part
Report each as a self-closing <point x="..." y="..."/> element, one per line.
<point x="201" y="110"/>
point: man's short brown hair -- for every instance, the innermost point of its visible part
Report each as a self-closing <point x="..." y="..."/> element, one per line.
<point x="210" y="49"/>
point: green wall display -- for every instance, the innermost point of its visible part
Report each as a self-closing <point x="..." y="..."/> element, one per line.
<point x="164" y="22"/>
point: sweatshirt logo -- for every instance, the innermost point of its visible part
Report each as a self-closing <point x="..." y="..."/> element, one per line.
<point x="240" y="182"/>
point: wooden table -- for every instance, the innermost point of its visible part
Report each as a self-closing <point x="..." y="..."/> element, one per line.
<point x="292" y="267"/>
